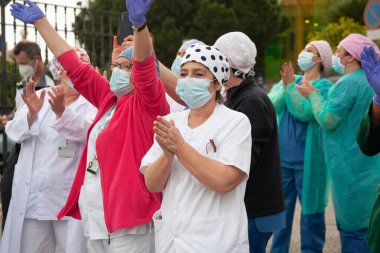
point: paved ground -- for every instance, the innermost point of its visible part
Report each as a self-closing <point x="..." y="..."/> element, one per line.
<point x="332" y="236"/>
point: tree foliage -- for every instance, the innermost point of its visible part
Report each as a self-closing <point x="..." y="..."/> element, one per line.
<point x="335" y="32"/>
<point x="171" y="22"/>
<point x="352" y="9"/>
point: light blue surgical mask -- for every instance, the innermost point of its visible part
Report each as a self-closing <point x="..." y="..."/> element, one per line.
<point x="176" y="66"/>
<point x="337" y="65"/>
<point x="120" y="83"/>
<point x="194" y="91"/>
<point x="305" y="60"/>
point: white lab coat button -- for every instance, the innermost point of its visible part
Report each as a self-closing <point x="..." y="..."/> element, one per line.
<point x="21" y="213"/>
<point x="26" y="183"/>
<point x="176" y="207"/>
<point x="176" y="234"/>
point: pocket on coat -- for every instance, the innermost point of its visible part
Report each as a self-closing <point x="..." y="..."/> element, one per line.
<point x="158" y="222"/>
<point x="220" y="235"/>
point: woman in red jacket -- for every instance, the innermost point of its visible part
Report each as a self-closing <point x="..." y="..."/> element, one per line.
<point x="117" y="140"/>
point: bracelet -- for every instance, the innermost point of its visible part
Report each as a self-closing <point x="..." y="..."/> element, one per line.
<point x="138" y="28"/>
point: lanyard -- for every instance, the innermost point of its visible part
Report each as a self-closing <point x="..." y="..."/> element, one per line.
<point x="93" y="166"/>
<point x="106" y="121"/>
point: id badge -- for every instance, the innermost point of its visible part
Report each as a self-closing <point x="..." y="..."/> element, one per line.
<point x="93" y="166"/>
<point x="66" y="151"/>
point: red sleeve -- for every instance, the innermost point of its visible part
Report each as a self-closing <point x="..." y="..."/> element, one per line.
<point x="149" y="86"/>
<point x="87" y="81"/>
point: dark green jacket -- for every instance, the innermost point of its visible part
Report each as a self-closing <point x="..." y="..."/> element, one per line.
<point x="368" y="138"/>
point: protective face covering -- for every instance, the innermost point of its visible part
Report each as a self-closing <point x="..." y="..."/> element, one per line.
<point x="337" y="65"/>
<point x="176" y="66"/>
<point x="120" y="82"/>
<point x="26" y="71"/>
<point x="194" y="91"/>
<point x="305" y="60"/>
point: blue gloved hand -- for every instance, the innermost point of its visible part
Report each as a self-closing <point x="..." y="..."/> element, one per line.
<point x="137" y="10"/>
<point x="371" y="65"/>
<point x="26" y="13"/>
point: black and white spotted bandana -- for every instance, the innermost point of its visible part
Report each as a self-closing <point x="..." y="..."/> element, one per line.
<point x="211" y="58"/>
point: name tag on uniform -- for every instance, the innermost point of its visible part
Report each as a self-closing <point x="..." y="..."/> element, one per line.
<point x="66" y="151"/>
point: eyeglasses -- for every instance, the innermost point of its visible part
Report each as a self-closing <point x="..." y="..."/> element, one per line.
<point x="123" y="66"/>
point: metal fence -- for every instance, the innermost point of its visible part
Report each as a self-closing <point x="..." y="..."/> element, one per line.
<point x="92" y="31"/>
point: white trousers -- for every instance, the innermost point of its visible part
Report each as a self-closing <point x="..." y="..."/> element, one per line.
<point x="131" y="243"/>
<point x="76" y="242"/>
<point x="39" y="236"/>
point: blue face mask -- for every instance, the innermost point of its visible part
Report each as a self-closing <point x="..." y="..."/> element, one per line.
<point x="305" y="60"/>
<point x="194" y="91"/>
<point x="337" y="65"/>
<point x="120" y="83"/>
<point x="176" y="66"/>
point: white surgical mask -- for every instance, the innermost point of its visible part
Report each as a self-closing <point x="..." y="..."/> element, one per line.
<point x="26" y="71"/>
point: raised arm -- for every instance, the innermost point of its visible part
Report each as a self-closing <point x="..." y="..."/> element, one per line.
<point x="86" y="80"/>
<point x="32" y="14"/>
<point x="299" y="106"/>
<point x="25" y="123"/>
<point x="330" y="112"/>
<point x="170" y="82"/>
<point x="144" y="72"/>
<point x="73" y="125"/>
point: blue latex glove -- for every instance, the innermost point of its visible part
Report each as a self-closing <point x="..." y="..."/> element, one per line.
<point x="26" y="13"/>
<point x="137" y="10"/>
<point x="371" y="65"/>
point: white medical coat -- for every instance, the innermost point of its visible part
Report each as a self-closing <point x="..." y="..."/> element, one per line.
<point x="42" y="179"/>
<point x="194" y="218"/>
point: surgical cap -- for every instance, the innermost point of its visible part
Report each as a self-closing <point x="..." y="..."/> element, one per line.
<point x="239" y="49"/>
<point x="354" y="44"/>
<point x="325" y="52"/>
<point x="56" y="67"/>
<point x="211" y="58"/>
<point x="189" y="43"/>
<point x="127" y="53"/>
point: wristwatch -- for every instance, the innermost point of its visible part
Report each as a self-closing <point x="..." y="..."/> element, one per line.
<point x="138" y="28"/>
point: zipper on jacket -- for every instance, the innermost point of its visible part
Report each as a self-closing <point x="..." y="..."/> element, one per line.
<point x="109" y="239"/>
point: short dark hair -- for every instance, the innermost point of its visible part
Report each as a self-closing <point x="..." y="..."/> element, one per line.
<point x="31" y="49"/>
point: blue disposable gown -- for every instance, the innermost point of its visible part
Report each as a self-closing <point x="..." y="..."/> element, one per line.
<point x="354" y="175"/>
<point x="315" y="179"/>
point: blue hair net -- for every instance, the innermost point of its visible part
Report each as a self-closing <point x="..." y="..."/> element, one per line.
<point x="189" y="43"/>
<point x="127" y="53"/>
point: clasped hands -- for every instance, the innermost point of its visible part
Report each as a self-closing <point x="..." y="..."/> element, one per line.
<point x="287" y="76"/>
<point x="168" y="136"/>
